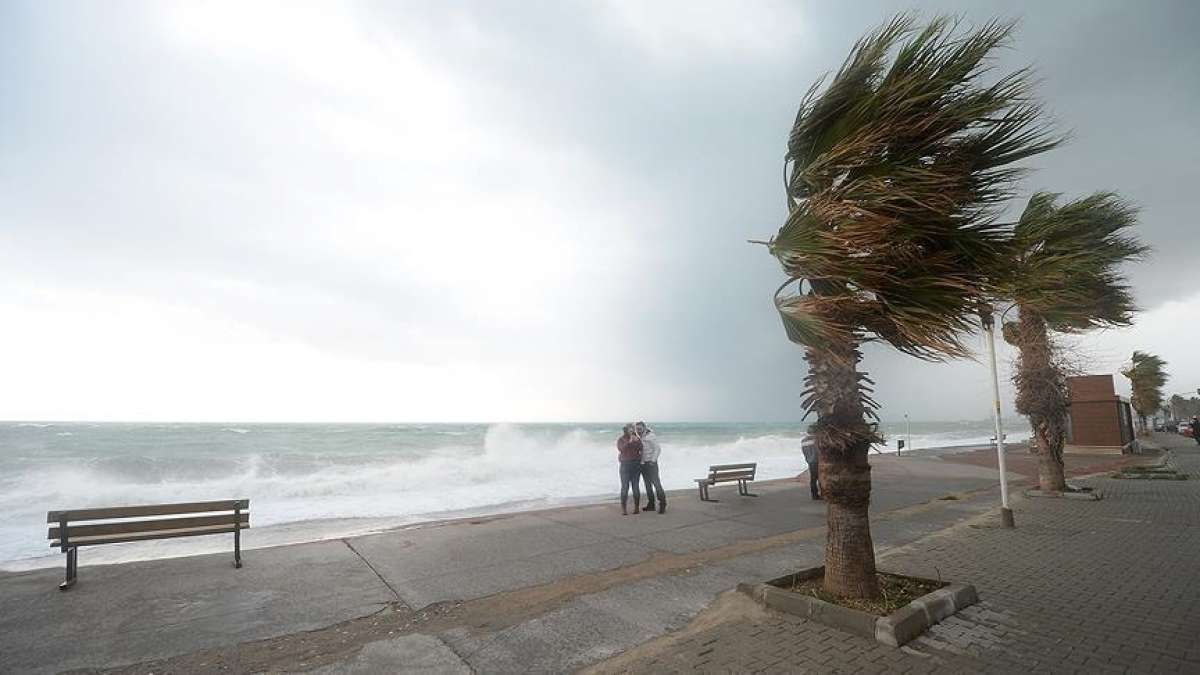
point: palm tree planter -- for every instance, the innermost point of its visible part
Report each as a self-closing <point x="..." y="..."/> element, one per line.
<point x="926" y="602"/>
<point x="892" y="175"/>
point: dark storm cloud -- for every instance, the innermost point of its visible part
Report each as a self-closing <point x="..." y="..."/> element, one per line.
<point x="706" y="136"/>
<point x="677" y="121"/>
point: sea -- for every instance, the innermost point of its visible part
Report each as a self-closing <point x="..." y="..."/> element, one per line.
<point x="309" y="482"/>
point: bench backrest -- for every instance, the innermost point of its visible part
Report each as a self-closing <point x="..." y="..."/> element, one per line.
<point x="137" y="523"/>
<point x="725" y="473"/>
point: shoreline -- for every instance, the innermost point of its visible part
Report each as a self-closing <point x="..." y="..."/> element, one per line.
<point x="328" y="529"/>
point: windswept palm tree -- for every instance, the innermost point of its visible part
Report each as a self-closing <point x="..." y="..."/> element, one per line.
<point x="1063" y="276"/>
<point x="892" y="172"/>
<point x="1147" y="377"/>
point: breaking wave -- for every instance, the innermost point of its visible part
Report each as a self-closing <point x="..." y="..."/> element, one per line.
<point x="310" y="473"/>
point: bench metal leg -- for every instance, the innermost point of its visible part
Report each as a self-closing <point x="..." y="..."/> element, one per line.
<point x="704" y="494"/>
<point x="237" y="537"/>
<point x="72" y="566"/>
<point x="744" y="489"/>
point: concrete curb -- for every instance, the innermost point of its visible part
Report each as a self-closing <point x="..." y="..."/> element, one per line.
<point x="895" y="630"/>
<point x="913" y="619"/>
<point x="1090" y="496"/>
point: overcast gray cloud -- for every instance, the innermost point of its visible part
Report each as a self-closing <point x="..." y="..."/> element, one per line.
<point x="490" y="211"/>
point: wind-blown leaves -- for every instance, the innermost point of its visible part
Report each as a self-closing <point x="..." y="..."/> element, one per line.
<point x="1147" y="376"/>
<point x="892" y="173"/>
<point x="1062" y="270"/>
<point x="1065" y="263"/>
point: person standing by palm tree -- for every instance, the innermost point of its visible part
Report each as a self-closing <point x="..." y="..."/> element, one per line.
<point x="809" y="447"/>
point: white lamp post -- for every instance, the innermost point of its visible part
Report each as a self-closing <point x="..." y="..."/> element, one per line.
<point x="989" y="328"/>
<point x="907" y="434"/>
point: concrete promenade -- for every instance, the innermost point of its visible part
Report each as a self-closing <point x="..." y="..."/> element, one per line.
<point x="1078" y="587"/>
<point x="549" y="591"/>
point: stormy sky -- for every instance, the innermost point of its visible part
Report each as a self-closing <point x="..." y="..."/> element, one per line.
<point x="494" y="211"/>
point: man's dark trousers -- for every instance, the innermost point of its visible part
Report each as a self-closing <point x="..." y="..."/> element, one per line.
<point x="653" y="485"/>
<point x="814" y="480"/>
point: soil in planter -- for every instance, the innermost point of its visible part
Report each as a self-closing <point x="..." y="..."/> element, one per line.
<point x="897" y="592"/>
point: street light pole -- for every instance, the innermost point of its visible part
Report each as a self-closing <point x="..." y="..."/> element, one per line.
<point x="907" y="434"/>
<point x="989" y="328"/>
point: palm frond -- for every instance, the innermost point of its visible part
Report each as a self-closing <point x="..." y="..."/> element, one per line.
<point x="1147" y="375"/>
<point x="1066" y="261"/>
<point x="894" y="170"/>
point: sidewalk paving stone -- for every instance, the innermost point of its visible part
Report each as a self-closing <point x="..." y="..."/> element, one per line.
<point x="1097" y="587"/>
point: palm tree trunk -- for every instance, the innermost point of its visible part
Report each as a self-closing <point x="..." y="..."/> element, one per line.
<point x="1042" y="396"/>
<point x="1051" y="469"/>
<point x="849" y="550"/>
<point x="844" y="438"/>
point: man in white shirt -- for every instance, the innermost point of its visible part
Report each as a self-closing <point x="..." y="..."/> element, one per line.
<point x="650" y="452"/>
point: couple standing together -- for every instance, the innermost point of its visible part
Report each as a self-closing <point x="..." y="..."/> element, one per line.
<point x="637" y="451"/>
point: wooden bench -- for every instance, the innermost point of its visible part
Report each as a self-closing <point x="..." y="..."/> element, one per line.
<point x="135" y="523"/>
<point x="741" y="474"/>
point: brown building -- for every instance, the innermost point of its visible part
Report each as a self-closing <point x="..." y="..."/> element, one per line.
<point x="1099" y="418"/>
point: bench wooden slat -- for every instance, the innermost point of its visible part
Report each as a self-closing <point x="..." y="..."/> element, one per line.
<point x="731" y="472"/>
<point x="132" y="526"/>
<point x="141" y="536"/>
<point x="725" y="476"/>
<point x="148" y="510"/>
<point x="722" y="467"/>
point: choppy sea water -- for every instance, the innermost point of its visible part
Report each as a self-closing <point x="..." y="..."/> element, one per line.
<point x="313" y="481"/>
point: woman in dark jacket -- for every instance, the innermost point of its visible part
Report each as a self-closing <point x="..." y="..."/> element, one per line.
<point x="629" y="454"/>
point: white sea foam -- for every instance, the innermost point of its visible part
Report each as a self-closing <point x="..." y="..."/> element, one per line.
<point x="950" y="440"/>
<point x="398" y="480"/>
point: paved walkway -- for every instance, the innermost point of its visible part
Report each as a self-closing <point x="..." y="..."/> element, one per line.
<point x="547" y="591"/>
<point x="552" y="591"/>
<point x="1095" y="587"/>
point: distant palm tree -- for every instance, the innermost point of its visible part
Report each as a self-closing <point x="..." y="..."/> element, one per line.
<point x="1063" y="276"/>
<point x="892" y="173"/>
<point x="1146" y="375"/>
<point x="1183" y="408"/>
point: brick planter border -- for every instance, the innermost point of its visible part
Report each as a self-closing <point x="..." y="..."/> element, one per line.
<point x="894" y="630"/>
